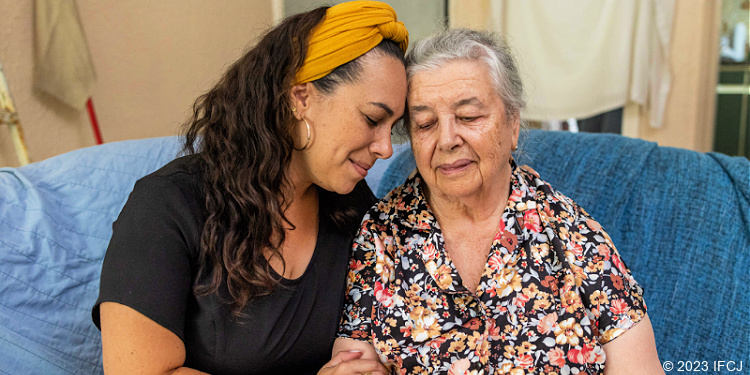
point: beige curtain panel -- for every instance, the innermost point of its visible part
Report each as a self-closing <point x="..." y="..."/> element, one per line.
<point x="579" y="58"/>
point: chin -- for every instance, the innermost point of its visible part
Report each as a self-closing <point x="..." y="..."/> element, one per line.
<point x="457" y="194"/>
<point x="347" y="189"/>
<point x="343" y="187"/>
<point x="458" y="189"/>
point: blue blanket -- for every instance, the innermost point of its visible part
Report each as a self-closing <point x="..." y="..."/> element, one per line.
<point x="55" y="223"/>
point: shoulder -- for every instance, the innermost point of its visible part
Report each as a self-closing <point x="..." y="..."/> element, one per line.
<point x="540" y="189"/>
<point x="545" y="211"/>
<point x="183" y="171"/>
<point x="401" y="216"/>
<point x="400" y="204"/>
<point x="179" y="180"/>
<point x="553" y="206"/>
<point x="172" y="195"/>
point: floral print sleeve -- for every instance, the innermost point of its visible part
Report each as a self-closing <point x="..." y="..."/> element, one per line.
<point x="609" y="291"/>
<point x="606" y="288"/>
<point x="553" y="292"/>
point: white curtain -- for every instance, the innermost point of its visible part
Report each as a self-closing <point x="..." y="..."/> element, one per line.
<point x="579" y="58"/>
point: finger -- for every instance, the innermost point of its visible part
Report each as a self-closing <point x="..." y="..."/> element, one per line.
<point x="343" y="357"/>
<point x="361" y="366"/>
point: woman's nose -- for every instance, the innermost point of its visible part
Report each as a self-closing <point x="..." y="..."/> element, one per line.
<point x="381" y="146"/>
<point x="447" y="133"/>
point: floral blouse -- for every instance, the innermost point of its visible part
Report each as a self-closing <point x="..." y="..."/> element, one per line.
<point x="553" y="291"/>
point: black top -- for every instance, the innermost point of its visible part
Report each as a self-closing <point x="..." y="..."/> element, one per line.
<point x="150" y="266"/>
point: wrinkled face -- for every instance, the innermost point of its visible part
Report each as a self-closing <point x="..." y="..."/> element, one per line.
<point x="351" y="127"/>
<point x="460" y="134"/>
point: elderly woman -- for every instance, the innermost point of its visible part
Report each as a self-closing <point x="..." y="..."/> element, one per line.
<point x="475" y="265"/>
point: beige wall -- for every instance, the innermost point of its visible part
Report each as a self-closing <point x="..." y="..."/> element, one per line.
<point x="152" y="59"/>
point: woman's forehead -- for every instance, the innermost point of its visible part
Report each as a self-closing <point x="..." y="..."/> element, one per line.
<point x="455" y="84"/>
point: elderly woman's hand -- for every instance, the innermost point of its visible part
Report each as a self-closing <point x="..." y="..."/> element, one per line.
<point x="353" y="357"/>
<point x="351" y="362"/>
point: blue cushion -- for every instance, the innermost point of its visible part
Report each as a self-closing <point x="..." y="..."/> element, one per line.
<point x="55" y="223"/>
<point x="680" y="219"/>
<point x="375" y="175"/>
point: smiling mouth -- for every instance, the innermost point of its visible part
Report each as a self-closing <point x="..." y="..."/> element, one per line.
<point x="361" y="168"/>
<point x="455" y="167"/>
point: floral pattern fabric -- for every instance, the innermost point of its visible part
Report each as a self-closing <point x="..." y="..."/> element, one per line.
<point x="553" y="291"/>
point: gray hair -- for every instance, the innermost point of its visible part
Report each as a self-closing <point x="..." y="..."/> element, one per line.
<point x="464" y="44"/>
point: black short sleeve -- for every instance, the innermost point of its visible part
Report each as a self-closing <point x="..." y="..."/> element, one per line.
<point x="148" y="264"/>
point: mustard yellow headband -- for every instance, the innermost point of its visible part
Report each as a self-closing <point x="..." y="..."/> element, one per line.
<point x="348" y="31"/>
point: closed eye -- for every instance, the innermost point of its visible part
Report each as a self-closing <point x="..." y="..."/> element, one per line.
<point x="425" y="125"/>
<point x="371" y="121"/>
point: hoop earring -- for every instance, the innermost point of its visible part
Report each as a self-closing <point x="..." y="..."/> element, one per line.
<point x="307" y="142"/>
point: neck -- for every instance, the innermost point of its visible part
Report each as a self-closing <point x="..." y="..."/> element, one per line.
<point x="302" y="194"/>
<point x="487" y="205"/>
<point x="301" y="211"/>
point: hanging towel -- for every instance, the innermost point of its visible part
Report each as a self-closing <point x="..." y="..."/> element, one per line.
<point x="580" y="58"/>
<point x="63" y="65"/>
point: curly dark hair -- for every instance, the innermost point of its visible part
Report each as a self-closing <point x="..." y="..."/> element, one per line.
<point x="241" y="130"/>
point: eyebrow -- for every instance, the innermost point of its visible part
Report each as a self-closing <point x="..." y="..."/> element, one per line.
<point x="385" y="107"/>
<point x="473" y="101"/>
<point x="419" y="108"/>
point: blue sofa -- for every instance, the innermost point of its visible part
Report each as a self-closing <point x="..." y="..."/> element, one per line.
<point x="680" y="219"/>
